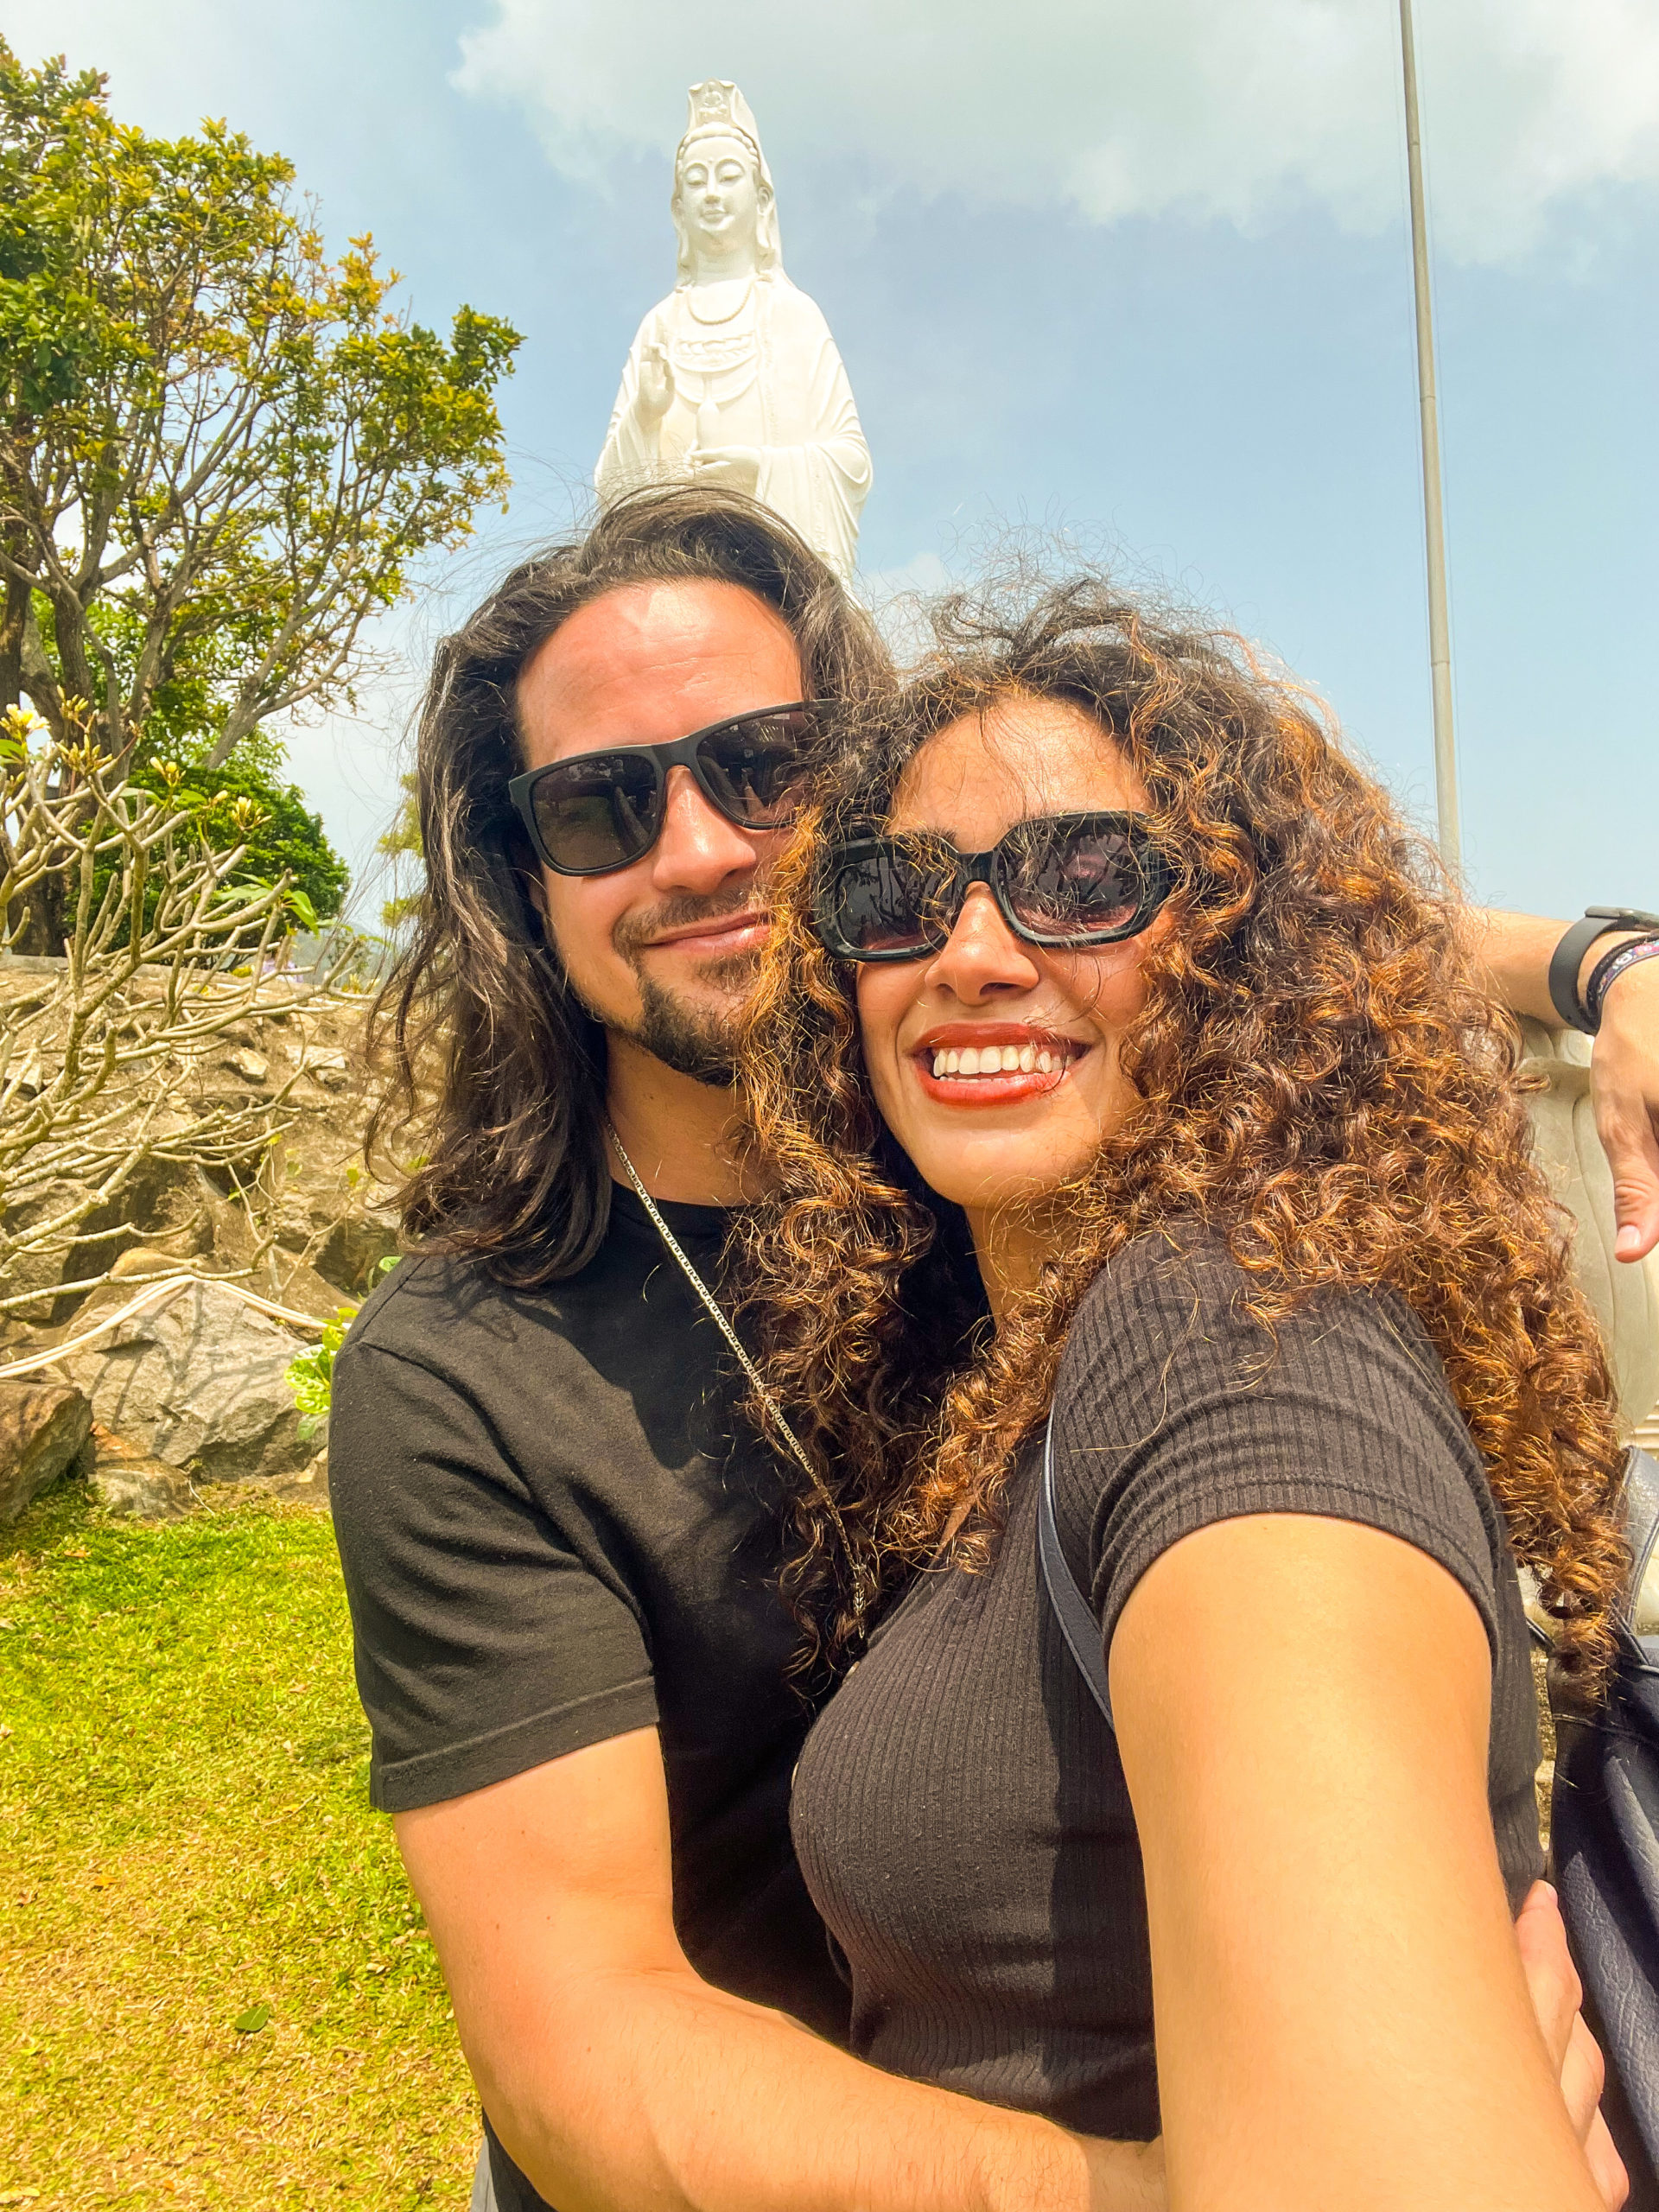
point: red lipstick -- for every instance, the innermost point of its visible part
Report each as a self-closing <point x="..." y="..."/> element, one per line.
<point x="976" y="1064"/>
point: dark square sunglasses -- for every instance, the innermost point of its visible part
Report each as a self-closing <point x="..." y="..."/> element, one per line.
<point x="599" y="811"/>
<point x="1062" y="880"/>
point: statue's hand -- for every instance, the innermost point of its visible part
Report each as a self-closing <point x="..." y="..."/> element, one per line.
<point x="655" y="393"/>
<point x="736" y="465"/>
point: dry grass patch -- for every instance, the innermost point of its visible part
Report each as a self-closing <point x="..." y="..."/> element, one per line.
<point x="215" y="1984"/>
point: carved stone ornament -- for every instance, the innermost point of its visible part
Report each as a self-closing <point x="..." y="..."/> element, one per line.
<point x="733" y="378"/>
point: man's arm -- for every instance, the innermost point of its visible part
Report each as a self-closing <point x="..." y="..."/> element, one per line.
<point x="1514" y="949"/>
<point x="620" y="2082"/>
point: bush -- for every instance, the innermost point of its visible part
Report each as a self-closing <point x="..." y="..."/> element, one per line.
<point x="288" y="839"/>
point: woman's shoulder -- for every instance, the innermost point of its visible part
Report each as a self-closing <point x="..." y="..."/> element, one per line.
<point x="1176" y="1405"/>
<point x="1177" y="1306"/>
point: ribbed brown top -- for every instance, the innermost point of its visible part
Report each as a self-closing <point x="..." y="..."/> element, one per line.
<point x="960" y="1810"/>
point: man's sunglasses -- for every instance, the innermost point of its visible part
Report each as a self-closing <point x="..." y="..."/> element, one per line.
<point x="1065" y="879"/>
<point x="599" y="811"/>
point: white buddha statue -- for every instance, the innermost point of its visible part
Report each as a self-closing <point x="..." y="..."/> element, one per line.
<point x="733" y="378"/>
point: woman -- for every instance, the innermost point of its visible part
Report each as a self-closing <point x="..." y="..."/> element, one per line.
<point x="1170" y="1033"/>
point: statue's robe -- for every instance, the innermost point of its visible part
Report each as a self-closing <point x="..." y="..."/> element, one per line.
<point x="769" y="378"/>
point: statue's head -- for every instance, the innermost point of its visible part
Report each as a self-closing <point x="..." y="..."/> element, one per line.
<point x="722" y="187"/>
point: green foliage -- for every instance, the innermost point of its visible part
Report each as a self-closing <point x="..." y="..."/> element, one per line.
<point x="403" y="840"/>
<point x="311" y="1376"/>
<point x="191" y="1846"/>
<point x="220" y="451"/>
<point x="287" y="838"/>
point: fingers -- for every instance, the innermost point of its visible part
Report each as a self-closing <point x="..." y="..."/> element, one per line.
<point x="1633" y="1155"/>
<point x="1583" y="2076"/>
<point x="1607" y="2167"/>
<point x="1625" y="1078"/>
<point x="1556" y="1993"/>
<point x="1552" y="1979"/>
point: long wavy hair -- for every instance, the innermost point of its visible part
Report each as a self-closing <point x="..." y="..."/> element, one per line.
<point x="1322" y="1083"/>
<point x="493" y="1074"/>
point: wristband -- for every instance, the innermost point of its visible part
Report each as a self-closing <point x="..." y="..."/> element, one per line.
<point x="1568" y="958"/>
<point x="1610" y="967"/>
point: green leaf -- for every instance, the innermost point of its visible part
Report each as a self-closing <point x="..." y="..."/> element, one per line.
<point x="301" y="907"/>
<point x="250" y="2022"/>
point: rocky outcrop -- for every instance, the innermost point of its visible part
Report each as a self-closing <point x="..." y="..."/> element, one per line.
<point x="199" y="1382"/>
<point x="44" y="1425"/>
<point x="302" y="1222"/>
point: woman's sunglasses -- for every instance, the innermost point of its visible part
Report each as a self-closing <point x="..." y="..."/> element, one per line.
<point x="600" y="810"/>
<point x="1064" y="880"/>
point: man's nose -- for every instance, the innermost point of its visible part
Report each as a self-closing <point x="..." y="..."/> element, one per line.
<point x="982" y="958"/>
<point x="699" y="850"/>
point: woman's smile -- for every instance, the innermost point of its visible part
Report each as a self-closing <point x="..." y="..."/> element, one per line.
<point x="994" y="1061"/>
<point x="977" y="1064"/>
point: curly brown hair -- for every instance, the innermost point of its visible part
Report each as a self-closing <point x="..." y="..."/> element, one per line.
<point x="1322" y="1081"/>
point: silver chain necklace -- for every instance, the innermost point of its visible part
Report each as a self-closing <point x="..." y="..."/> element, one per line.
<point x="774" y="1411"/>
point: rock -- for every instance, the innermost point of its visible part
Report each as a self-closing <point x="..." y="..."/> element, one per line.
<point x="146" y="1260"/>
<point x="351" y="1252"/>
<point x="327" y="1066"/>
<point x="161" y="1208"/>
<point x="198" y="1382"/>
<point x="142" y="1489"/>
<point x="252" y="1064"/>
<point x="288" y="1282"/>
<point x="43" y="1271"/>
<point x="310" y="1487"/>
<point x="43" y="1427"/>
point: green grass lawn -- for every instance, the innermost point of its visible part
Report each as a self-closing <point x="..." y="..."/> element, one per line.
<point x="214" y="1984"/>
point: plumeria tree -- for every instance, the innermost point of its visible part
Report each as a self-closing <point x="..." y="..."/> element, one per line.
<point x="221" y="452"/>
<point x="104" y="1050"/>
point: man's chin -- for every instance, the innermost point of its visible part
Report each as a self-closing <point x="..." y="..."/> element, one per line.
<point x="696" y="1037"/>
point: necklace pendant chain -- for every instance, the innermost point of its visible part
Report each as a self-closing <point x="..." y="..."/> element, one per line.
<point x="714" y="321"/>
<point x="774" y="1412"/>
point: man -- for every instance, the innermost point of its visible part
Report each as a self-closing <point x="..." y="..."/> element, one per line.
<point x="559" y="1545"/>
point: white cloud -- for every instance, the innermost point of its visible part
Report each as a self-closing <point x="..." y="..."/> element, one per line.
<point x="1235" y="109"/>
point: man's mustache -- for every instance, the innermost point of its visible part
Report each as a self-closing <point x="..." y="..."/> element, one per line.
<point x="634" y="932"/>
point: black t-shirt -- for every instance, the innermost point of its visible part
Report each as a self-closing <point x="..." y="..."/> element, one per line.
<point x="960" y="1809"/>
<point x="555" y="1530"/>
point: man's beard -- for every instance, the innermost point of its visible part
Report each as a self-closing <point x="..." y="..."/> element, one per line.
<point x="698" y="1040"/>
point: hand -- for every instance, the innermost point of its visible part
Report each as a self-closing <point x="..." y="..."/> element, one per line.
<point x="1557" y="1993"/>
<point x="738" y="466"/>
<point x="655" y="393"/>
<point x="1624" y="1082"/>
<point x="1122" y="2176"/>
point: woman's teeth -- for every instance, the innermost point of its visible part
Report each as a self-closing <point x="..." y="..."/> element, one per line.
<point x="998" y="1059"/>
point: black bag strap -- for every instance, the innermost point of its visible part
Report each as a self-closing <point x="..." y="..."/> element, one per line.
<point x="1072" y="1609"/>
<point x="1082" y="1631"/>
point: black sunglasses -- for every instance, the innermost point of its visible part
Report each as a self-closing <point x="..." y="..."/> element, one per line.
<point x="1061" y="879"/>
<point x="599" y="811"/>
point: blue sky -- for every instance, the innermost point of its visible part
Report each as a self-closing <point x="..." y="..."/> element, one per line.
<point x="1137" y="275"/>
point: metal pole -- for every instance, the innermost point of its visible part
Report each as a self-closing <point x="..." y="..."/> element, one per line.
<point x="1440" y="625"/>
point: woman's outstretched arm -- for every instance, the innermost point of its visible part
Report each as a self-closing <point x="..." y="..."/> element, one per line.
<point x="1343" y="2015"/>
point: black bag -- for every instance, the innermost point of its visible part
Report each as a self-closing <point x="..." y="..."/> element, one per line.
<point x="1603" y="1825"/>
<point x="1603" y="1849"/>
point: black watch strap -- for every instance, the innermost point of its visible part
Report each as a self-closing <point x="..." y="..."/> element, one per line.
<point x="1568" y="957"/>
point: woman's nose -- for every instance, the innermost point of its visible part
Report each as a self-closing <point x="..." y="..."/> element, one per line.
<point x="981" y="956"/>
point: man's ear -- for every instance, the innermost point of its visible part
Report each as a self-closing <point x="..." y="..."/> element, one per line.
<point x="536" y="893"/>
<point x="522" y="860"/>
